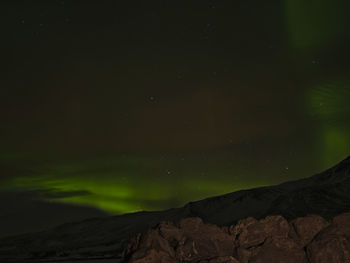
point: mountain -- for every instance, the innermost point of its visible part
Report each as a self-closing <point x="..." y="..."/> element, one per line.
<point x="326" y="194"/>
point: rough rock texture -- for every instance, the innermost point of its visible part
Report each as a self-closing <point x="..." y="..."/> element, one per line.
<point x="326" y="194"/>
<point x="303" y="229"/>
<point x="189" y="241"/>
<point x="254" y="233"/>
<point x="271" y="239"/>
<point x="332" y="244"/>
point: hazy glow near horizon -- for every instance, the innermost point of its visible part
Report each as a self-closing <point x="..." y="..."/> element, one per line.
<point x="122" y="106"/>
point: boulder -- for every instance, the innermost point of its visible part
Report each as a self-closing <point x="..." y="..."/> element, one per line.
<point x="332" y="244"/>
<point x="203" y="241"/>
<point x="304" y="229"/>
<point x="151" y="256"/>
<point x="342" y="224"/>
<point x="250" y="232"/>
<point x="171" y="233"/>
<point x="147" y="246"/>
<point x="227" y="259"/>
<point x="280" y="250"/>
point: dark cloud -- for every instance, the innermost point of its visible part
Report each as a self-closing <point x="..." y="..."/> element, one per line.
<point x="25" y="211"/>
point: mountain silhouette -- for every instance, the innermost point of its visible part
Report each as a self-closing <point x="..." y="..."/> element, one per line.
<point x="326" y="194"/>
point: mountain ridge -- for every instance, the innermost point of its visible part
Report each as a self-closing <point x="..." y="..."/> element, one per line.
<point x="326" y="194"/>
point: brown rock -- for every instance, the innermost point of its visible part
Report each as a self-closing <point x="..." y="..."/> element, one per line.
<point x="304" y="229"/>
<point x="225" y="229"/>
<point x="187" y="252"/>
<point x="151" y="256"/>
<point x="275" y="226"/>
<point x="241" y="225"/>
<point x="142" y="246"/>
<point x="342" y="223"/>
<point x="204" y="241"/>
<point x="243" y="255"/>
<point x="268" y="240"/>
<point x="329" y="249"/>
<point x="171" y="233"/>
<point x="255" y="233"/>
<point x="131" y="247"/>
<point x="279" y="250"/>
<point x="191" y="225"/>
<point x="152" y="239"/>
<point x="227" y="259"/>
<point x="332" y="244"/>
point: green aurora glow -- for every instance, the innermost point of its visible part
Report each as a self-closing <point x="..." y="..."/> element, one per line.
<point x="130" y="183"/>
<point x="328" y="104"/>
<point x="314" y="23"/>
<point x="125" y="188"/>
<point x="231" y="85"/>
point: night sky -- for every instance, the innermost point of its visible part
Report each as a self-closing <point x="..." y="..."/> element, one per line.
<point x="125" y="106"/>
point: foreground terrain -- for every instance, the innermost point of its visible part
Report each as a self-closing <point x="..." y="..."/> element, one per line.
<point x="309" y="239"/>
<point x="326" y="194"/>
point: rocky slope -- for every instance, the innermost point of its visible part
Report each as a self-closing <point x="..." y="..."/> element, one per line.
<point x="326" y="194"/>
<point x="308" y="239"/>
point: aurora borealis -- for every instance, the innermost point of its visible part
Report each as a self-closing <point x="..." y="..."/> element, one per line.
<point x="148" y="105"/>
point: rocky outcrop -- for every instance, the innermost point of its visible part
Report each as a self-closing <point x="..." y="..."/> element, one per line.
<point x="332" y="244"/>
<point x="326" y="194"/>
<point x="272" y="239"/>
<point x="189" y="241"/>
